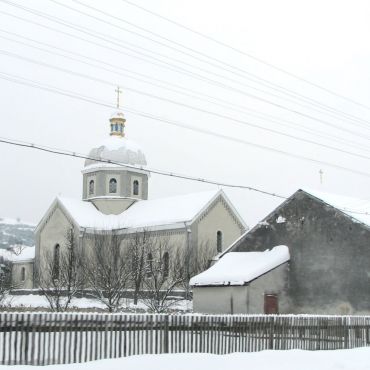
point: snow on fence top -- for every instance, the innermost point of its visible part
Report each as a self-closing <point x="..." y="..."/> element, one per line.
<point x="238" y="268"/>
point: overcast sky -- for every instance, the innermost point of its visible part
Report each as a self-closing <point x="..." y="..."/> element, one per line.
<point x="325" y="42"/>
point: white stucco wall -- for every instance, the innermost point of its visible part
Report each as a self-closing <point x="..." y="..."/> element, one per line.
<point x="53" y="232"/>
<point x="218" y="218"/>
<point x="248" y="299"/>
<point x="17" y="281"/>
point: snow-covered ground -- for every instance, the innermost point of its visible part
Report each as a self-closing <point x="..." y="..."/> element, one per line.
<point x="34" y="301"/>
<point x="350" y="359"/>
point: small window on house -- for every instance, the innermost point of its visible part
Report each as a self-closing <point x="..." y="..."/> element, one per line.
<point x="166" y="264"/>
<point x="219" y="241"/>
<point x="56" y="262"/>
<point x="91" y="187"/>
<point x="113" y="186"/>
<point x="136" y="187"/>
<point x="149" y="264"/>
<point x="23" y="274"/>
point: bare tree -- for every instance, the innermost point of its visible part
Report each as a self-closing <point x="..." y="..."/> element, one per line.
<point x="136" y="254"/>
<point x="106" y="270"/>
<point x="162" y="275"/>
<point x="192" y="262"/>
<point x="17" y="249"/>
<point x="58" y="276"/>
<point x="5" y="280"/>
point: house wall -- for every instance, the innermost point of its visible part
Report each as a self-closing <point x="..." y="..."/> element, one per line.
<point x="248" y="299"/>
<point x="17" y="275"/>
<point x="330" y="256"/>
<point x="219" y="217"/>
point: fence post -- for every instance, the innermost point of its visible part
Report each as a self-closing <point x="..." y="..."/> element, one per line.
<point x="271" y="337"/>
<point x="166" y="335"/>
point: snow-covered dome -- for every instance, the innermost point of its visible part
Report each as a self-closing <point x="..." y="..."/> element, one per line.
<point x="117" y="149"/>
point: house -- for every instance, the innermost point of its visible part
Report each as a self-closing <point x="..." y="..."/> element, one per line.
<point x="328" y="237"/>
<point x="21" y="262"/>
<point x="236" y="284"/>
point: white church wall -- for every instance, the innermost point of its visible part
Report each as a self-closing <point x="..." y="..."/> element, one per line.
<point x="54" y="232"/>
<point x="17" y="276"/>
<point x="218" y="218"/>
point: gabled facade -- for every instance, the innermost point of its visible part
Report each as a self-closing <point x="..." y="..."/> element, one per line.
<point x="329" y="244"/>
<point x="115" y="200"/>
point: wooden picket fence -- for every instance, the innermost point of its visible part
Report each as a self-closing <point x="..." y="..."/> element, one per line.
<point x="60" y="338"/>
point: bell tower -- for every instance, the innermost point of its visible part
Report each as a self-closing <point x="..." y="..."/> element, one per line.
<point x="117" y="120"/>
<point x="114" y="176"/>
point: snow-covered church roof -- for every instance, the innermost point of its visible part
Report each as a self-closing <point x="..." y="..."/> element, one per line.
<point x="239" y="268"/>
<point x="170" y="212"/>
<point x="116" y="149"/>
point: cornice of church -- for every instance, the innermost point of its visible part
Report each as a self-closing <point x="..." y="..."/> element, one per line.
<point x="94" y="168"/>
<point x="221" y="199"/>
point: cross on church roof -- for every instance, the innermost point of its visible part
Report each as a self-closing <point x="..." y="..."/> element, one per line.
<point x="118" y="91"/>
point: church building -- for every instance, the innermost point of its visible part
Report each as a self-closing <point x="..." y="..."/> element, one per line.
<point x="115" y="187"/>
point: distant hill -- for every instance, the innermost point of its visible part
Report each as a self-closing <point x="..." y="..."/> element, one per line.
<point x="15" y="232"/>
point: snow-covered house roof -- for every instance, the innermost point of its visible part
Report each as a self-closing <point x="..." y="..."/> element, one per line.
<point x="239" y="268"/>
<point x="18" y="255"/>
<point x="355" y="208"/>
<point x="170" y="212"/>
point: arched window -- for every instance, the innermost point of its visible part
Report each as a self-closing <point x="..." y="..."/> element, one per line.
<point x="113" y="186"/>
<point x="136" y="187"/>
<point x="149" y="264"/>
<point x="166" y="264"/>
<point x="23" y="274"/>
<point x="56" y="262"/>
<point x="91" y="187"/>
<point x="219" y="241"/>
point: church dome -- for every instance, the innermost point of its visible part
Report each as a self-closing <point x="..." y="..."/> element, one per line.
<point x="117" y="149"/>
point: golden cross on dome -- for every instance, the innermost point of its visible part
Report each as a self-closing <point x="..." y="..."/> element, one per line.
<point x="118" y="91"/>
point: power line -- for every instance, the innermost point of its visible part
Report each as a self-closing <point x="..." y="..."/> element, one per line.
<point x="254" y="78"/>
<point x="239" y="51"/>
<point x="239" y="91"/>
<point x="362" y="123"/>
<point x="198" y="109"/>
<point x="68" y="153"/>
<point x="27" y="82"/>
<point x="178" y="89"/>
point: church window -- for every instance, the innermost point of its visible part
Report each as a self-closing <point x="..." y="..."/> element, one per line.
<point x="219" y="241"/>
<point x="136" y="187"/>
<point x="56" y="262"/>
<point x="166" y="264"/>
<point x="113" y="185"/>
<point x="91" y="187"/>
<point x="116" y="127"/>
<point x="149" y="265"/>
<point x="23" y="274"/>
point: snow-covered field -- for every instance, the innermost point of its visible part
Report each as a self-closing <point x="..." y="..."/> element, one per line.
<point x="350" y="359"/>
<point x="38" y="301"/>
